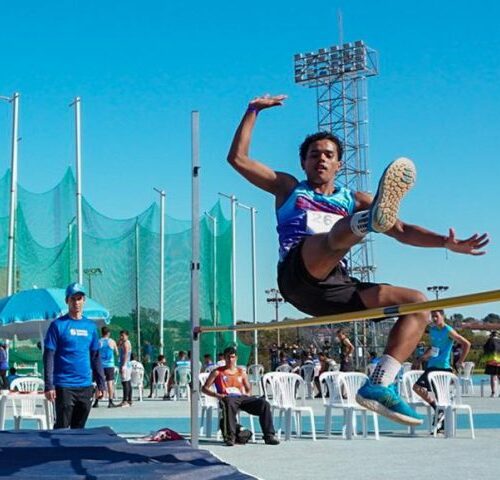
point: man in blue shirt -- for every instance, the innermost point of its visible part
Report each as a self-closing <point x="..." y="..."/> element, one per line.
<point x="107" y="351"/>
<point x="70" y="357"/>
<point x="438" y="357"/>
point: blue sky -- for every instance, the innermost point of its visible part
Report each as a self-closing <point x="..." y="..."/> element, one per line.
<point x="141" y="68"/>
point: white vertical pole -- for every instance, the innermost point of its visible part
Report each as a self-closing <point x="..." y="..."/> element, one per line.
<point x="79" y="219"/>
<point x="254" y="286"/>
<point x="214" y="280"/>
<point x="137" y="291"/>
<point x="70" y="246"/>
<point x="195" y="277"/>
<point x="253" y="211"/>
<point x="162" y="264"/>
<point x="13" y="194"/>
<point x="233" y="270"/>
<point x="234" y="202"/>
<point x="162" y="270"/>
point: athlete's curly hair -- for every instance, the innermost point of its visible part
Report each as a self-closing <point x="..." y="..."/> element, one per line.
<point x="314" y="138"/>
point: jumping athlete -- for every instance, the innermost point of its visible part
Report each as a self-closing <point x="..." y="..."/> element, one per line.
<point x="319" y="222"/>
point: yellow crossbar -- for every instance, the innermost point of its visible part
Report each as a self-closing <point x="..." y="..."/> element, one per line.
<point x="369" y="314"/>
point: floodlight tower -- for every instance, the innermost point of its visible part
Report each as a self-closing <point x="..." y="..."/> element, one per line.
<point x="338" y="74"/>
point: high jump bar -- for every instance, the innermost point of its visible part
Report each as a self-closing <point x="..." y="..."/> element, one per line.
<point x="360" y="315"/>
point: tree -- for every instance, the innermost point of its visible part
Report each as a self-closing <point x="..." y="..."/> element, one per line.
<point x="492" y="318"/>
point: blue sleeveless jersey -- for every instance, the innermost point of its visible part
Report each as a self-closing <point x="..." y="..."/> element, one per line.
<point x="106" y="353"/>
<point x="442" y="345"/>
<point x="306" y="212"/>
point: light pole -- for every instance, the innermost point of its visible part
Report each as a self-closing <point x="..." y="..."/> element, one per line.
<point x="213" y="219"/>
<point x="162" y="261"/>
<point x="275" y="297"/>
<point x="234" y="201"/>
<point x="437" y="289"/>
<point x="13" y="191"/>
<point x="253" y="211"/>
<point x="91" y="272"/>
<point x="78" y="160"/>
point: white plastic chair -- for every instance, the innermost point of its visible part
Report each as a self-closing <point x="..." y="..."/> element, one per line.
<point x="28" y="403"/>
<point x="333" y="366"/>
<point x="307" y="373"/>
<point x="160" y="376"/>
<point x="288" y="394"/>
<point x="465" y="377"/>
<point x="405" y="367"/>
<point x="350" y="383"/>
<point x="446" y="386"/>
<point x="182" y="379"/>
<point x="415" y="401"/>
<point x="208" y="405"/>
<point x="285" y="368"/>
<point x="255" y="374"/>
<point x="137" y="379"/>
<point x="332" y="398"/>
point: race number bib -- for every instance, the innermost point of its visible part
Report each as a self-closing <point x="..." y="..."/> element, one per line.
<point x="233" y="391"/>
<point x="321" y="222"/>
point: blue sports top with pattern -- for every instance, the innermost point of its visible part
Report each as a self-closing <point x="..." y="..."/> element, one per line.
<point x="306" y="212"/>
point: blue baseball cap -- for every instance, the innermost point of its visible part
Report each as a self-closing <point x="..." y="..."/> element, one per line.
<point x="74" y="288"/>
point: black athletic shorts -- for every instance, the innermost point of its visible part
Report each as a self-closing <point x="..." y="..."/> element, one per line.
<point x="338" y="293"/>
<point x="492" y="369"/>
<point x="423" y="380"/>
<point x="109" y="373"/>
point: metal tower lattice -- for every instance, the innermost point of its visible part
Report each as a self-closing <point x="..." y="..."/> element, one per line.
<point x="339" y="74"/>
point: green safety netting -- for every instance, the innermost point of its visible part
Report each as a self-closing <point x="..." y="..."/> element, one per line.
<point x="126" y="253"/>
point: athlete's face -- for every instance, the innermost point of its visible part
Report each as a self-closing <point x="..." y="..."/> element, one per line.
<point x="75" y="305"/>
<point x="230" y="360"/>
<point x="437" y="319"/>
<point x="322" y="162"/>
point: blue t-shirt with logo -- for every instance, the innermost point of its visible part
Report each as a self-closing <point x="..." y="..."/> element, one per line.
<point x="441" y="345"/>
<point x="72" y="341"/>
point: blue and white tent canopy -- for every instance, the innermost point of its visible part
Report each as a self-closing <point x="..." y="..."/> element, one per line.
<point x="27" y="314"/>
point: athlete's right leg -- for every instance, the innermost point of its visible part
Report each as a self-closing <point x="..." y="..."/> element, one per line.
<point x="378" y="394"/>
<point x="322" y="252"/>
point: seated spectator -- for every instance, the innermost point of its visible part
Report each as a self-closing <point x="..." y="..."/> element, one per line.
<point x="325" y="365"/>
<point x="373" y="359"/>
<point x="220" y="360"/>
<point x="274" y="356"/>
<point x="153" y="378"/>
<point x="182" y="361"/>
<point x="208" y="363"/>
<point x="12" y="375"/>
<point x="233" y="389"/>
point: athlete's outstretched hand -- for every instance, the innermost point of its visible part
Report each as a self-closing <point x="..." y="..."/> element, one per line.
<point x="471" y="246"/>
<point x="266" y="101"/>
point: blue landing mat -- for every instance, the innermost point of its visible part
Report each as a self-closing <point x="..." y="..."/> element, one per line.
<point x="98" y="453"/>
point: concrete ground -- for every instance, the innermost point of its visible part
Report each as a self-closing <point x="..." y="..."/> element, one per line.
<point x="396" y="455"/>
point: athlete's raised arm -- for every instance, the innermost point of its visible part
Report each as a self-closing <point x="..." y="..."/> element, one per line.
<point x="262" y="176"/>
